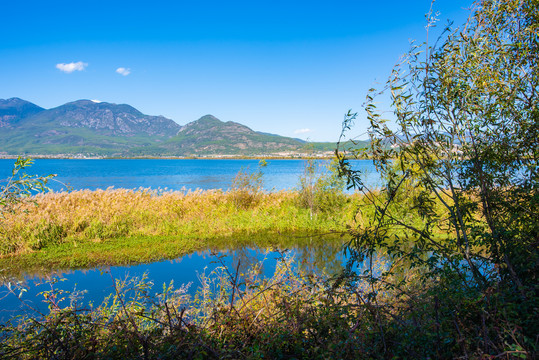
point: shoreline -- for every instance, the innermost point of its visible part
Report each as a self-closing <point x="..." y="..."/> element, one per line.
<point x="119" y="252"/>
<point x="286" y="155"/>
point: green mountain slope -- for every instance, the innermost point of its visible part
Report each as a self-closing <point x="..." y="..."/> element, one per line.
<point x="85" y="127"/>
<point x="209" y="135"/>
<point x="90" y="128"/>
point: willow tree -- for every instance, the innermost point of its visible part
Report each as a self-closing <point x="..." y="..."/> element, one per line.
<point x="459" y="158"/>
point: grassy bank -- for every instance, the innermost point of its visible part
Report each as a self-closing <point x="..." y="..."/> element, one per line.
<point x="118" y="226"/>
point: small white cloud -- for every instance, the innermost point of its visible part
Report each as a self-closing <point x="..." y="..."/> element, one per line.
<point x="70" y="67"/>
<point x="96" y="101"/>
<point x="302" y="131"/>
<point x="123" y="71"/>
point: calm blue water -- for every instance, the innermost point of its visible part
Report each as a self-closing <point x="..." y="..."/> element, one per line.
<point x="98" y="283"/>
<point x="171" y="174"/>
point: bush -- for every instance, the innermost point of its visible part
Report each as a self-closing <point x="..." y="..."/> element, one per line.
<point x="321" y="190"/>
<point x="233" y="315"/>
<point x="19" y="186"/>
<point x="247" y="186"/>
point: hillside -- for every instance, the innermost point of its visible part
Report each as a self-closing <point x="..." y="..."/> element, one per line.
<point x="209" y="135"/>
<point x="14" y="109"/>
<point x="90" y="128"/>
<point x="79" y="127"/>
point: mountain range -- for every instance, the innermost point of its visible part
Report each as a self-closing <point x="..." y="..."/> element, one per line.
<point x="91" y="128"/>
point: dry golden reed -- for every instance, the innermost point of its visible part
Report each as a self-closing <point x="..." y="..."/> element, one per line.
<point x="84" y="215"/>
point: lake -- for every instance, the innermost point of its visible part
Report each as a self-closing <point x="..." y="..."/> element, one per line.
<point x="172" y="175"/>
<point x="189" y="174"/>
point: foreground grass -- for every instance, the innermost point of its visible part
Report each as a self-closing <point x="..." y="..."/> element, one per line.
<point x="407" y="312"/>
<point x="117" y="226"/>
<point x="287" y="316"/>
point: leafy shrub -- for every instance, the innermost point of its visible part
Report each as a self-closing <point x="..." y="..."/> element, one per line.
<point x="14" y="193"/>
<point x="233" y="315"/>
<point x="321" y="190"/>
<point x="19" y="186"/>
<point x="247" y="186"/>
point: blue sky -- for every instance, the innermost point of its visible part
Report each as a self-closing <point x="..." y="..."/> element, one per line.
<point x="287" y="67"/>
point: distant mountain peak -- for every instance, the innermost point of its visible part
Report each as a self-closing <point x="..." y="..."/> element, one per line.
<point x="81" y="102"/>
<point x="13" y="100"/>
<point x="209" y="120"/>
<point x="206" y="121"/>
<point x="14" y="109"/>
<point x="209" y="135"/>
<point x="208" y="117"/>
<point x="94" y="127"/>
<point x="16" y="102"/>
<point x="87" y="102"/>
<point x="211" y="123"/>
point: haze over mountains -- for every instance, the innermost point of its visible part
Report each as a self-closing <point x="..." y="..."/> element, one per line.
<point x="91" y="128"/>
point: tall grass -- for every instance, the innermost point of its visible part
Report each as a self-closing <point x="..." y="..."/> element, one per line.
<point x="82" y="218"/>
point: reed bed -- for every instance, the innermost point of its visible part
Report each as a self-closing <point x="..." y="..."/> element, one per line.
<point x="145" y="218"/>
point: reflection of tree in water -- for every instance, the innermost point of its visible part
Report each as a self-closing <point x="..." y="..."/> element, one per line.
<point x="312" y="256"/>
<point x="248" y="258"/>
<point x="323" y="258"/>
<point x="317" y="255"/>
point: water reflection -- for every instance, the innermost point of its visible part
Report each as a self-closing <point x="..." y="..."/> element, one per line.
<point x="316" y="257"/>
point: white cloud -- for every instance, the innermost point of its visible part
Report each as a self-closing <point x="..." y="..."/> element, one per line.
<point x="96" y="101"/>
<point x="302" y="131"/>
<point x="123" y="71"/>
<point x="70" y="67"/>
